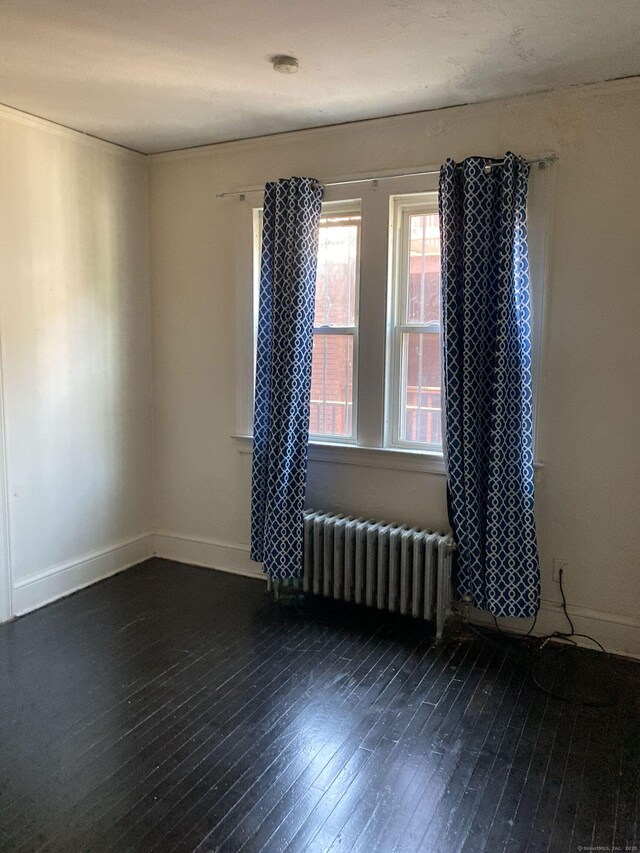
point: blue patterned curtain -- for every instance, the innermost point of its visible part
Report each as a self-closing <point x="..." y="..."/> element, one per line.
<point x="487" y="382"/>
<point x="290" y="225"/>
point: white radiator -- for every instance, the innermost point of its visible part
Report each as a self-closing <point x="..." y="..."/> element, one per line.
<point x="389" y="566"/>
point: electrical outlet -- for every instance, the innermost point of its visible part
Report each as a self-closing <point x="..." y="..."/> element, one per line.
<point x="559" y="563"/>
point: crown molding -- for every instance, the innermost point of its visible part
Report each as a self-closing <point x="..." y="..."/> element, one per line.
<point x="22" y="117"/>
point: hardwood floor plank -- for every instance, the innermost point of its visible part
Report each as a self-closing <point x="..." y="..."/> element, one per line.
<point x="539" y="829"/>
<point x="223" y="811"/>
<point x="449" y="746"/>
<point x="416" y="756"/>
<point x="625" y="828"/>
<point x="175" y="709"/>
<point x="220" y="756"/>
<point x="359" y="736"/>
<point x="483" y="717"/>
<point x="184" y="741"/>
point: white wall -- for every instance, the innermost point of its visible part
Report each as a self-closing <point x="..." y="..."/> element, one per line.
<point x="75" y="358"/>
<point x="75" y="346"/>
<point x="588" y="492"/>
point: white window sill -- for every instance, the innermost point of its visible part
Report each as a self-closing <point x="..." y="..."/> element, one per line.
<point x="371" y="457"/>
<point x="368" y="457"/>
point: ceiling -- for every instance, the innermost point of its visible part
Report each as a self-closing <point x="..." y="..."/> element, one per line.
<point x="156" y="75"/>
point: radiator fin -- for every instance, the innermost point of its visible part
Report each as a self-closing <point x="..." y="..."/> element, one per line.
<point x="388" y="566"/>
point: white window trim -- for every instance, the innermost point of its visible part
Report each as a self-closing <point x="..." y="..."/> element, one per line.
<point x="349" y="206"/>
<point x="368" y="457"/>
<point x="539" y="229"/>
<point x="373" y="448"/>
<point x="401" y="207"/>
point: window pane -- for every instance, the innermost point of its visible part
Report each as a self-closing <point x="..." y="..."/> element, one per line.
<point x="332" y="385"/>
<point x="423" y="295"/>
<point x="337" y="271"/>
<point x="420" y="389"/>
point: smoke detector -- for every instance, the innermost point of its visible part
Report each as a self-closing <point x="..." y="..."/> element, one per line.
<point x="285" y="64"/>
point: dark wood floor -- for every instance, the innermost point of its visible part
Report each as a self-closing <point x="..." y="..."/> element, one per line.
<point x="177" y="709"/>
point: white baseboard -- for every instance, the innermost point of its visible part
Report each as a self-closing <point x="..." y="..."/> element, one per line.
<point x="208" y="553"/>
<point x="619" y="634"/>
<point x="61" y="580"/>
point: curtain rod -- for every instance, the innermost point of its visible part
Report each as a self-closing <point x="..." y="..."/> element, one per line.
<point x="541" y="161"/>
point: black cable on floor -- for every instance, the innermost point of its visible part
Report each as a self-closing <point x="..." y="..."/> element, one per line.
<point x="537" y="644"/>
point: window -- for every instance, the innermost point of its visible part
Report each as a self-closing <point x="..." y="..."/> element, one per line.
<point x="376" y="395"/>
<point x="335" y="333"/>
<point x="335" y="326"/>
<point x="415" y="327"/>
<point x="410" y="390"/>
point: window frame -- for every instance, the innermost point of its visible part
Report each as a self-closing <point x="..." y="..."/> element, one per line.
<point x="401" y="209"/>
<point x="349" y="207"/>
<point x="373" y="447"/>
